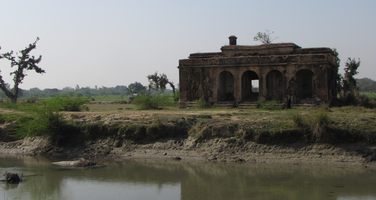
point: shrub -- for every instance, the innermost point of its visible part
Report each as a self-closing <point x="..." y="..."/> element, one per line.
<point x="350" y="99"/>
<point x="43" y="118"/>
<point x="366" y="101"/>
<point x="177" y="96"/>
<point x="320" y="127"/>
<point x="66" y="103"/>
<point x="315" y="127"/>
<point x="153" y="101"/>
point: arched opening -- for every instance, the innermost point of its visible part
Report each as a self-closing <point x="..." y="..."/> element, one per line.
<point x="274" y="85"/>
<point x="226" y="86"/>
<point x="250" y="86"/>
<point x="304" y="84"/>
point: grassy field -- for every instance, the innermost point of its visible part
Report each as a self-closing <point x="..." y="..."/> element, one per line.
<point x="348" y="124"/>
<point x="344" y="124"/>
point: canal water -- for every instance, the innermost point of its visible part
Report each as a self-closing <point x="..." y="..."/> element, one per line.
<point x="180" y="180"/>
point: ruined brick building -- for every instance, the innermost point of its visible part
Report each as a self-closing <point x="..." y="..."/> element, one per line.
<point x="243" y="73"/>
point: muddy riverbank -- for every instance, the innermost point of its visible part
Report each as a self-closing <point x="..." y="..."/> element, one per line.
<point x="214" y="150"/>
<point x="244" y="136"/>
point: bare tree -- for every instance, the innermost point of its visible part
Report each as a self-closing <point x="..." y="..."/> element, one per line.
<point x="22" y="61"/>
<point x="264" y="37"/>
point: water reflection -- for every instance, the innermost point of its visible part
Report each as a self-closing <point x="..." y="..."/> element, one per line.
<point x="117" y="190"/>
<point x="187" y="181"/>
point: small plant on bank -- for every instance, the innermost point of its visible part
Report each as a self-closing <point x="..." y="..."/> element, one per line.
<point x="42" y="118"/>
<point x="320" y="125"/>
<point x="201" y="103"/>
<point x="299" y="121"/>
<point x="316" y="125"/>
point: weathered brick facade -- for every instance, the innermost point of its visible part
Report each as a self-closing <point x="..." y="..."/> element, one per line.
<point x="281" y="71"/>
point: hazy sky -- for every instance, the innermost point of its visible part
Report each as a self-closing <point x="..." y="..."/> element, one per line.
<point x="116" y="42"/>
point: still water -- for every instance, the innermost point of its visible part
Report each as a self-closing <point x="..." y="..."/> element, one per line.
<point x="144" y="180"/>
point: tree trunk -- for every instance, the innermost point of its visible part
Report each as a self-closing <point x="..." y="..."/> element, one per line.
<point x="7" y="92"/>
<point x="172" y="87"/>
<point x="13" y="99"/>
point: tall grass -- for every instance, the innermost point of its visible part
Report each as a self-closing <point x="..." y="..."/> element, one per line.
<point x="40" y="118"/>
<point x="316" y="124"/>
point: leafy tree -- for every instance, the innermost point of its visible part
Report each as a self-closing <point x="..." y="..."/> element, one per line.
<point x="136" y="88"/>
<point x="22" y="61"/>
<point x="159" y="82"/>
<point x="351" y="69"/>
<point x="154" y="81"/>
<point x="264" y="37"/>
<point x="339" y="77"/>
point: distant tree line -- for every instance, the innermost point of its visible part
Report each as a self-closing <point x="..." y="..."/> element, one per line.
<point x="366" y="85"/>
<point x="132" y="89"/>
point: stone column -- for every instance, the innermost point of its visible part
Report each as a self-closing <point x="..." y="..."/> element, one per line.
<point x="182" y="87"/>
<point x="215" y="86"/>
<point x="263" y="91"/>
<point x="237" y="85"/>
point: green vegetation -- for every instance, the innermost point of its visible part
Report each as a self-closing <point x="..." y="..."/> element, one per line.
<point x="201" y="103"/>
<point x="40" y="118"/>
<point x="370" y="95"/>
<point x="264" y="37"/>
<point x="153" y="101"/>
<point x="66" y="103"/>
<point x="111" y="98"/>
<point x="366" y="85"/>
<point x="268" y="123"/>
<point x="317" y="124"/>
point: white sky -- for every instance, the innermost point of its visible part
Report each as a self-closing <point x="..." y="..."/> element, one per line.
<point x="117" y="42"/>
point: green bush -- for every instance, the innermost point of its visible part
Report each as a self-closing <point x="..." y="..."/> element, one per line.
<point x="366" y="101"/>
<point x="153" y="101"/>
<point x="66" y="103"/>
<point x="30" y="124"/>
<point x="41" y="118"/>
